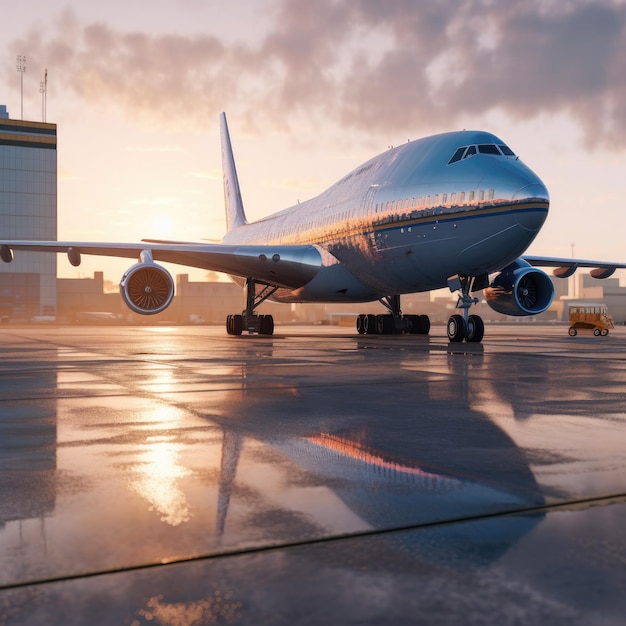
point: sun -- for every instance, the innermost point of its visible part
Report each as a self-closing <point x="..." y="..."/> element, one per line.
<point x="162" y="226"/>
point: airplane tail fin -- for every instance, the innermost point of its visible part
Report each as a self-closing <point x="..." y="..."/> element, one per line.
<point x="235" y="215"/>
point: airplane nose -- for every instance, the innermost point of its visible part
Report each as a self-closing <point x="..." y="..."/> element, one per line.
<point x="516" y="182"/>
<point x="535" y="212"/>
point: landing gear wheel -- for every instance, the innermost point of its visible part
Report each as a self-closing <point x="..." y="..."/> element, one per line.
<point x="266" y="325"/>
<point x="475" y="329"/>
<point x="360" y="324"/>
<point x="424" y="324"/>
<point x="572" y="331"/>
<point x="370" y="325"/>
<point x="229" y="324"/>
<point x="236" y="325"/>
<point x="420" y="324"/>
<point x="456" y="328"/>
<point x="384" y="324"/>
<point x="604" y="332"/>
<point x="414" y="328"/>
<point x="596" y="332"/>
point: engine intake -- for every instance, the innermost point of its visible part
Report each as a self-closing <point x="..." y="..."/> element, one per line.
<point x="147" y="288"/>
<point x="520" y="289"/>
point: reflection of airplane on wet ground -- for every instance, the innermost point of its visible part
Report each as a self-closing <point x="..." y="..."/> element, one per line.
<point x="447" y="210"/>
<point x="388" y="489"/>
<point x="386" y="480"/>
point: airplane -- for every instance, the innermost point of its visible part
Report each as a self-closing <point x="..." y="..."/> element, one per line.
<point x="456" y="209"/>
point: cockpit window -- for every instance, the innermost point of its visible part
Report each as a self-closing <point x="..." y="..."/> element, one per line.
<point x="484" y="148"/>
<point x="457" y="155"/>
<point x="488" y="148"/>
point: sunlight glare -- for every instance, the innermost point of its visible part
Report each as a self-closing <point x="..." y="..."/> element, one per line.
<point x="157" y="481"/>
<point x="162" y="226"/>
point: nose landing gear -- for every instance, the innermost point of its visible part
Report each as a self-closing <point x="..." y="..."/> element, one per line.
<point x="470" y="328"/>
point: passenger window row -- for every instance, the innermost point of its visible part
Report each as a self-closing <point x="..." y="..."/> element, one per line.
<point x="436" y="200"/>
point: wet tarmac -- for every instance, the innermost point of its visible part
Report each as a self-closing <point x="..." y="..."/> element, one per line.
<point x="179" y="476"/>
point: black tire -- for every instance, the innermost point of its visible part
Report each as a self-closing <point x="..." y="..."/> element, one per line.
<point x="572" y="331"/>
<point x="384" y="324"/>
<point x="360" y="324"/>
<point x="267" y="325"/>
<point x="229" y="324"/>
<point x="420" y="324"/>
<point x="370" y="325"/>
<point x="596" y="332"/>
<point x="414" y="324"/>
<point x="456" y="328"/>
<point x="237" y="324"/>
<point x="475" y="329"/>
<point x="605" y="332"/>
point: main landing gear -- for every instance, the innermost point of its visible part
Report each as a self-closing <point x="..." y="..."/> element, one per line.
<point x="393" y="322"/>
<point x="249" y="321"/>
<point x="470" y="328"/>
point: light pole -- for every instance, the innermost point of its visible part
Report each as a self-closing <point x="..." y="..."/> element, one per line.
<point x="21" y="68"/>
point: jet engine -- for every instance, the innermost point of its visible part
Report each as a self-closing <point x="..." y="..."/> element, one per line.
<point x="147" y="288"/>
<point x="520" y="289"/>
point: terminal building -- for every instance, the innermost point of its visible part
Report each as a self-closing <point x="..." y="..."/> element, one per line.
<point x="28" y="210"/>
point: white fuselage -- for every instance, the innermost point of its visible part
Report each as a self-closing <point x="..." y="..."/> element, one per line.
<point x="409" y="219"/>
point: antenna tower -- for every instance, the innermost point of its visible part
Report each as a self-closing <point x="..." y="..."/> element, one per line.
<point x="43" y="90"/>
<point x="21" y="68"/>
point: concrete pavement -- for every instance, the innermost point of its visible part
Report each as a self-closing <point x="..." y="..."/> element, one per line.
<point x="181" y="476"/>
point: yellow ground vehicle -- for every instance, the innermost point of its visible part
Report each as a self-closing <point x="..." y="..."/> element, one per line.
<point x="590" y="317"/>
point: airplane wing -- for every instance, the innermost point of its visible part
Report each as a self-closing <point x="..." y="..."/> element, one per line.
<point x="565" y="266"/>
<point x="290" y="266"/>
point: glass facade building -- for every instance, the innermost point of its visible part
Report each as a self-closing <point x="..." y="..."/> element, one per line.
<point x="28" y="211"/>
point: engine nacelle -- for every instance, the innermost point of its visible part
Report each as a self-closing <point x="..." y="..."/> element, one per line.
<point x="520" y="289"/>
<point x="147" y="288"/>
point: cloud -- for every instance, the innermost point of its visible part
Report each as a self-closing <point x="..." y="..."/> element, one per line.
<point x="524" y="58"/>
<point x="168" y="75"/>
<point x="394" y="66"/>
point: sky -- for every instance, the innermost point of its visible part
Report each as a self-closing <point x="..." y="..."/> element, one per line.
<point x="311" y="90"/>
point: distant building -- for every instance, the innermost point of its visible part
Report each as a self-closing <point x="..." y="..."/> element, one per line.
<point x="83" y="299"/>
<point x="86" y="295"/>
<point x="28" y="210"/>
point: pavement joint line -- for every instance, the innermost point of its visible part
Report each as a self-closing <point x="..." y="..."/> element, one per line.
<point x="567" y="505"/>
